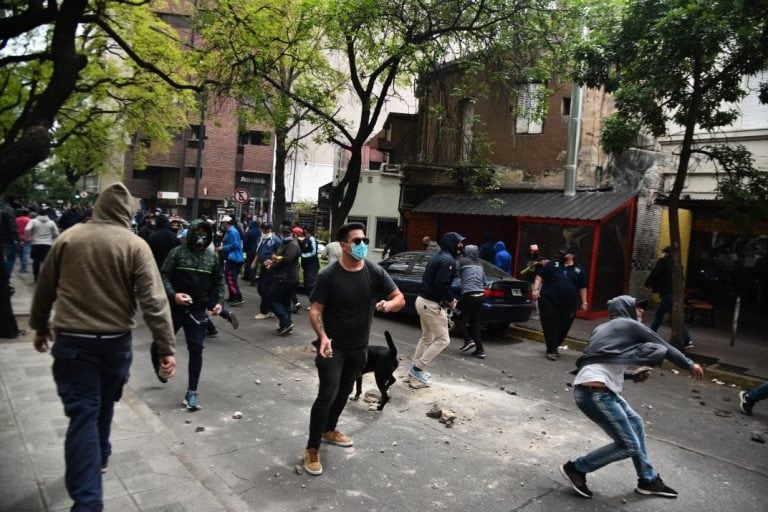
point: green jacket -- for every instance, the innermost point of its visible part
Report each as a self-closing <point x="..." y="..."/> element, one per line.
<point x="193" y="269"/>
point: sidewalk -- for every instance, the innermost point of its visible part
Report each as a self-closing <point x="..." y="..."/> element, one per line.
<point x="153" y="472"/>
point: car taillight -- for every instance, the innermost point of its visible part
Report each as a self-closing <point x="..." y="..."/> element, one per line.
<point x="494" y="293"/>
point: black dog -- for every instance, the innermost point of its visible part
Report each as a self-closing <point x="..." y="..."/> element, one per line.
<point x="382" y="361"/>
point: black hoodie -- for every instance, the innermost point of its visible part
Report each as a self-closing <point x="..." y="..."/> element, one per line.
<point x="162" y="240"/>
<point x="441" y="271"/>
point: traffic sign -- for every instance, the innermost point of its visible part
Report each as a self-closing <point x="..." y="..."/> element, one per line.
<point x="241" y="196"/>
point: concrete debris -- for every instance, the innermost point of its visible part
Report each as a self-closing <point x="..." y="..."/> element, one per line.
<point x="237" y="415"/>
<point x="188" y="422"/>
<point x="298" y="469"/>
<point x="647" y="406"/>
<point x="758" y="438"/>
<point x="718" y="381"/>
<point x="258" y="381"/>
<point x="676" y="372"/>
<point x="703" y="402"/>
<point x="435" y="411"/>
<point x="723" y="414"/>
<point x="372" y="396"/>
<point x="200" y="429"/>
<point x="448" y="417"/>
<point x="509" y="391"/>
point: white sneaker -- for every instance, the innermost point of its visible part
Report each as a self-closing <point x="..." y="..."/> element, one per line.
<point x="264" y="316"/>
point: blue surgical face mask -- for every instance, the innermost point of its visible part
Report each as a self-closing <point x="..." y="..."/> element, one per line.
<point x="359" y="251"/>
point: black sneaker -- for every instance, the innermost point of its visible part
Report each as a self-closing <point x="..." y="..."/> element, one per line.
<point x="688" y="345"/>
<point x="296" y="308"/>
<point x="161" y="378"/>
<point x="283" y="331"/>
<point x="745" y="404"/>
<point x="212" y="334"/>
<point x="238" y="302"/>
<point x="478" y="354"/>
<point x="232" y="319"/>
<point x="577" y="479"/>
<point x="656" y="488"/>
<point x="468" y="345"/>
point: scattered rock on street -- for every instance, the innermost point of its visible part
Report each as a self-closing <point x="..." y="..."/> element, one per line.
<point x="435" y="411"/>
<point x="237" y="415"/>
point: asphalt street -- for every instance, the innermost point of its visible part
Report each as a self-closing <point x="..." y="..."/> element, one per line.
<point x="516" y="424"/>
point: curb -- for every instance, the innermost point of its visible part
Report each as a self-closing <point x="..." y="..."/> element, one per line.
<point x="711" y="370"/>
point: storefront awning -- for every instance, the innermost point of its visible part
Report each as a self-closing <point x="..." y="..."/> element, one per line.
<point x="551" y="205"/>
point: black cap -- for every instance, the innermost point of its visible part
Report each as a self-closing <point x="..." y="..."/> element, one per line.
<point x="567" y="249"/>
<point x="266" y="225"/>
<point x="285" y="229"/>
<point x="641" y="303"/>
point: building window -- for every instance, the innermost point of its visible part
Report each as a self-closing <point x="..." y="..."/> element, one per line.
<point x="385" y="226"/>
<point x="254" y="138"/>
<point x="467" y="107"/>
<point x="566" y="106"/>
<point x="191" y="172"/>
<point x="528" y="106"/>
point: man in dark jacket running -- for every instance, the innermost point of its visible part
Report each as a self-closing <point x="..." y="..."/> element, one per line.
<point x="614" y="346"/>
<point x="284" y="267"/>
<point x="432" y="305"/>
<point x="194" y="284"/>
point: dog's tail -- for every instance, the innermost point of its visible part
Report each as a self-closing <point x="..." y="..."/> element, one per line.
<point x="392" y="347"/>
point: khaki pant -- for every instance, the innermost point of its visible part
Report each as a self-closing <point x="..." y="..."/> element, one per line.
<point x="434" y="332"/>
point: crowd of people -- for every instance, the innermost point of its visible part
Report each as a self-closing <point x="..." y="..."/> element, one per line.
<point x="183" y="276"/>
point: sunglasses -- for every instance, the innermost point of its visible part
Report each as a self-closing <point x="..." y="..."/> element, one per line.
<point x="356" y="241"/>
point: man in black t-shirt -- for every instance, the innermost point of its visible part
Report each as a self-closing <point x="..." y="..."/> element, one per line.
<point x="342" y="304"/>
<point x="560" y="287"/>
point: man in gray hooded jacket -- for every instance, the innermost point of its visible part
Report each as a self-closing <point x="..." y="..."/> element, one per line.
<point x="613" y="347"/>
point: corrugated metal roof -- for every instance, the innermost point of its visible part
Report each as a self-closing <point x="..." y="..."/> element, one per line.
<point x="551" y="205"/>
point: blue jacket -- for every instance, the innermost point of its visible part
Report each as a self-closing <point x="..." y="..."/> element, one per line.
<point x="232" y="245"/>
<point x="503" y="259"/>
<point x="252" y="236"/>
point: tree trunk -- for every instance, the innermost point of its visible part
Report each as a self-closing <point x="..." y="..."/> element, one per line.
<point x="28" y="142"/>
<point x="678" y="278"/>
<point x="344" y="193"/>
<point x="281" y="155"/>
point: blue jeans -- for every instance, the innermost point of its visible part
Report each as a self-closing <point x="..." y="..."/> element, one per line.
<point x="337" y="376"/>
<point x="89" y="375"/>
<point x="664" y="307"/>
<point x="758" y="393"/>
<point x="23" y="254"/>
<point x="280" y="301"/>
<point x="614" y="415"/>
<point x="195" y="327"/>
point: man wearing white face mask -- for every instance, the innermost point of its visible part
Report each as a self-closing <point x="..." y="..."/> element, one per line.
<point x="342" y="302"/>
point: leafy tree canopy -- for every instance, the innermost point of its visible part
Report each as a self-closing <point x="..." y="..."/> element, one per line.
<point x="77" y="76"/>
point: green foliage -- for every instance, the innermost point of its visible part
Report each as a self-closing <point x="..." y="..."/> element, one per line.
<point x="476" y="178"/>
<point x="742" y="187"/>
<point x="618" y="134"/>
<point x="305" y="207"/>
<point x="78" y="83"/>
